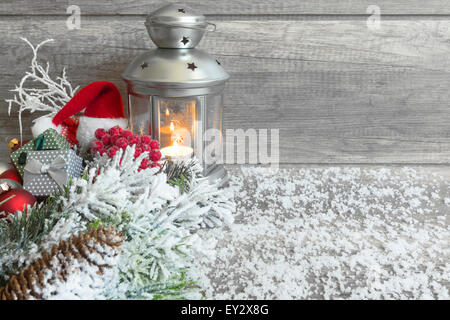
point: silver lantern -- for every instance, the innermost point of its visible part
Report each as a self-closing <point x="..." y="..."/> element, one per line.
<point x="175" y="91"/>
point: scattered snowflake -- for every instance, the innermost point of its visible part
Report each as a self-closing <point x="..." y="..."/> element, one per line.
<point x="333" y="233"/>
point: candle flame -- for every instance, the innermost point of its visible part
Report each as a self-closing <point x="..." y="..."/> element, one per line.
<point x="172" y="127"/>
<point x="167" y="112"/>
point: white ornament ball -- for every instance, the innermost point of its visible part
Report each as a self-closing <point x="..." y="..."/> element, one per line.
<point x="4" y="167"/>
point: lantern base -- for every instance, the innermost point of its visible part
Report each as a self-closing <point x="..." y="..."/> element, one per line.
<point x="217" y="175"/>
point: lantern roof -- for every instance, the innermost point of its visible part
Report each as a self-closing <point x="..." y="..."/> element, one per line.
<point x="176" y="65"/>
<point x="176" y="14"/>
<point x="175" y="69"/>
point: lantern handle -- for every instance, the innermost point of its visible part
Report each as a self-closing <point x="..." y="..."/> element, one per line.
<point x="213" y="25"/>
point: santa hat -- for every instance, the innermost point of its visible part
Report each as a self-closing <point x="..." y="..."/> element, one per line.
<point x="103" y="108"/>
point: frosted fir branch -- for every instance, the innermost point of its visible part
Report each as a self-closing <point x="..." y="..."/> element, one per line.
<point x="204" y="206"/>
<point x="183" y="172"/>
<point x="76" y="268"/>
<point x="23" y="237"/>
<point x="113" y="185"/>
<point x="203" y="203"/>
<point x="53" y="95"/>
<point x="115" y="192"/>
<point x="155" y="217"/>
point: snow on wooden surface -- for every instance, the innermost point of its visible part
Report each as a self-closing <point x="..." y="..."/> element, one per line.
<point x="334" y="233"/>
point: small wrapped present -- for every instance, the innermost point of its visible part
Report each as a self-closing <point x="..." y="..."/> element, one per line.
<point x="47" y="172"/>
<point x="50" y="139"/>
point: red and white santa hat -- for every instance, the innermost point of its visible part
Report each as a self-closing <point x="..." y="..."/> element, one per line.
<point x="103" y="108"/>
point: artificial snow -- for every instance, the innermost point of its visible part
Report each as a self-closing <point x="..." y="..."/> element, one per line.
<point x="333" y="233"/>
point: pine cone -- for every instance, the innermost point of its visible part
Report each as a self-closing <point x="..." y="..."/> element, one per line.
<point x="95" y="248"/>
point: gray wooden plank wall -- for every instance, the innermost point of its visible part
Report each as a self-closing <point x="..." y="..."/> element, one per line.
<point x="339" y="92"/>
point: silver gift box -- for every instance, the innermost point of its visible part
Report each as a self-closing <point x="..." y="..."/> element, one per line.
<point x="43" y="184"/>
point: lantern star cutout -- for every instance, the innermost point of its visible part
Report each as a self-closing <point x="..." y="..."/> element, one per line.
<point x="185" y="40"/>
<point x="192" y="66"/>
<point x="182" y="10"/>
<point x="144" y="65"/>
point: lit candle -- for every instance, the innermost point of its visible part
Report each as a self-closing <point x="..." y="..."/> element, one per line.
<point x="168" y="129"/>
<point x="177" y="152"/>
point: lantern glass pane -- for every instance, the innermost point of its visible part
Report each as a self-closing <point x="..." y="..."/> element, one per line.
<point x="213" y="133"/>
<point x="214" y="111"/>
<point x="179" y="123"/>
<point x="139" y="112"/>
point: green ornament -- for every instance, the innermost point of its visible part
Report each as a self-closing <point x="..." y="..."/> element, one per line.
<point x="22" y="160"/>
<point x="39" y="143"/>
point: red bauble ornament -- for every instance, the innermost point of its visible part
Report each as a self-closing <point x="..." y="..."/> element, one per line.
<point x="4" y="167"/>
<point x="15" y="200"/>
<point x="11" y="174"/>
<point x="6" y="185"/>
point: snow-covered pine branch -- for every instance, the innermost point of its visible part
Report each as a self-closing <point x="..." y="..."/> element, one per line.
<point x="157" y="220"/>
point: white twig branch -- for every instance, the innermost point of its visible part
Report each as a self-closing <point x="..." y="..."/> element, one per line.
<point x="50" y="96"/>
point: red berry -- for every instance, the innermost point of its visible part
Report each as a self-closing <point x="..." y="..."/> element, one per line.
<point x="155" y="155"/>
<point x="112" y="151"/>
<point x="115" y="130"/>
<point x="155" y="164"/>
<point x="96" y="145"/>
<point x="99" y="133"/>
<point x="146" y="139"/>
<point x="145" y="164"/>
<point x="126" y="133"/>
<point x="133" y="139"/>
<point x="154" y="144"/>
<point x="106" y="140"/>
<point x="114" y="138"/>
<point x="102" y="151"/>
<point x="122" y="143"/>
<point x="144" y="147"/>
<point x="137" y="153"/>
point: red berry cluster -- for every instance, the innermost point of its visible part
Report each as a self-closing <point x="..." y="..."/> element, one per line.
<point x="110" y="141"/>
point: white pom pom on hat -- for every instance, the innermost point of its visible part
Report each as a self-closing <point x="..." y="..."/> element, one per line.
<point x="42" y="124"/>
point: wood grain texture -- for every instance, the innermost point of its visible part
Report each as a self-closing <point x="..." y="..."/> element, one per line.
<point x="229" y="7"/>
<point x="338" y="92"/>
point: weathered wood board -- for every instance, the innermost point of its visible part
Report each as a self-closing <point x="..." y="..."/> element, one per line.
<point x="269" y="7"/>
<point x="338" y="91"/>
